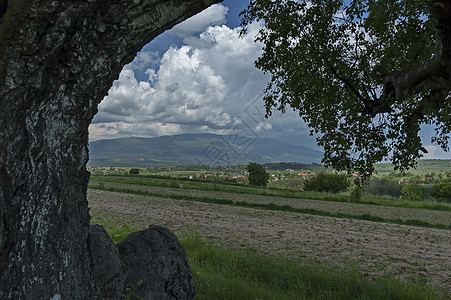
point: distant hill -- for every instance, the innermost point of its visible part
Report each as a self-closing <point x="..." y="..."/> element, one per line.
<point x="424" y="166"/>
<point x="196" y="149"/>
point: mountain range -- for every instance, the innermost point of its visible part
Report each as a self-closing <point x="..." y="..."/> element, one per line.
<point x="196" y="149"/>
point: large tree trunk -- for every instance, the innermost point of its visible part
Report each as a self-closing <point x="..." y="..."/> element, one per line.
<point x="58" y="60"/>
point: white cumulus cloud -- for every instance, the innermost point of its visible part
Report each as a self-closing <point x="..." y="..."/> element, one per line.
<point x="263" y="126"/>
<point x="209" y="84"/>
<point x="206" y="82"/>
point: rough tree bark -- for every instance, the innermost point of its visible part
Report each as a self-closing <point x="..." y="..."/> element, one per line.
<point x="58" y="60"/>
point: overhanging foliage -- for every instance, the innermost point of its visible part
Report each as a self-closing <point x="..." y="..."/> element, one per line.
<point x="364" y="75"/>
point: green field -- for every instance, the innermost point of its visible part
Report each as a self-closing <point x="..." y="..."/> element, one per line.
<point x="386" y="184"/>
<point x="97" y="180"/>
<point x="424" y="166"/>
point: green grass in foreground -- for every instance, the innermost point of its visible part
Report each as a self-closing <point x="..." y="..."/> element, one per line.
<point x="161" y="181"/>
<point x="276" y="207"/>
<point x="221" y="273"/>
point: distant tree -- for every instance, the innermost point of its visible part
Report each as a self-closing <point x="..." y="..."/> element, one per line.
<point x="257" y="174"/>
<point x="133" y="171"/>
<point x="331" y="183"/>
<point x="442" y="192"/>
<point x="364" y="75"/>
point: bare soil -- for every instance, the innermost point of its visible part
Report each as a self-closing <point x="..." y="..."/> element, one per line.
<point x="375" y="248"/>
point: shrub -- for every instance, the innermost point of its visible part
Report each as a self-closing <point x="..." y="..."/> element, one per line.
<point x="442" y="192"/>
<point x="257" y="174"/>
<point x="327" y="183"/>
<point x="384" y="187"/>
<point x="134" y="172"/>
<point x="414" y="192"/>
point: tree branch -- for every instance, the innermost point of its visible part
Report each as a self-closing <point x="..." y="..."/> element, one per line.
<point x="432" y="77"/>
<point x="348" y="83"/>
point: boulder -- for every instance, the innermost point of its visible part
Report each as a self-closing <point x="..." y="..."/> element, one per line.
<point x="108" y="270"/>
<point x="158" y="267"/>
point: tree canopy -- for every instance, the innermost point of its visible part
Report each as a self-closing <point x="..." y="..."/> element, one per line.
<point x="257" y="174"/>
<point x="364" y="75"/>
<point x="133" y="171"/>
<point x="332" y="183"/>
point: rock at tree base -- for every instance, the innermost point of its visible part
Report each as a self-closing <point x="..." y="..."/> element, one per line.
<point x="153" y="261"/>
<point x="109" y="271"/>
<point x="157" y="259"/>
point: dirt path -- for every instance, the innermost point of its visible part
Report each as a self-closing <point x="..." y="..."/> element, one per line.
<point x="431" y="216"/>
<point x="408" y="252"/>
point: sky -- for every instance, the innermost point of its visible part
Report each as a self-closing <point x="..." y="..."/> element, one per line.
<point x="199" y="77"/>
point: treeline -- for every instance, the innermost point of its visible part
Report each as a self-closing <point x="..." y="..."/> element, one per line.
<point x="290" y="165"/>
<point x="196" y="168"/>
<point x="402" y="189"/>
<point x="410" y="190"/>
